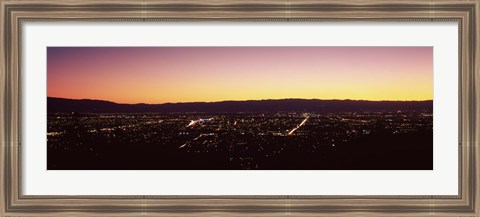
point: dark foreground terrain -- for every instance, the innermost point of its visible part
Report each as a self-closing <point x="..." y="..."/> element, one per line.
<point x="369" y="140"/>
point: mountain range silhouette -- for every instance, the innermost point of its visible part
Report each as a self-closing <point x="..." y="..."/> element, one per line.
<point x="269" y="105"/>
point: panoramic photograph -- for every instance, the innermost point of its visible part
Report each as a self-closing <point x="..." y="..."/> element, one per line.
<point x="240" y="108"/>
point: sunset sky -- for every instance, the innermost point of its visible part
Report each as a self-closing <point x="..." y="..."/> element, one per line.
<point x="198" y="74"/>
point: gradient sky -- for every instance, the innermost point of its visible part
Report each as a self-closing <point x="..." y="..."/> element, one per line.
<point x="194" y="74"/>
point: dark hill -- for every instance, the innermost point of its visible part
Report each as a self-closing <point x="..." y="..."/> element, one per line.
<point x="297" y="105"/>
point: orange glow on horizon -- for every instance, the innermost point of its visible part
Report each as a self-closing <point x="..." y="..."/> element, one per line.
<point x="157" y="75"/>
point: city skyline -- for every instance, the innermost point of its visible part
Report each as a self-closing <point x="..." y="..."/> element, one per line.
<point x="156" y="75"/>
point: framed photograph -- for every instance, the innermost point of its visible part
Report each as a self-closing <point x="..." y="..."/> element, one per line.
<point x="239" y="108"/>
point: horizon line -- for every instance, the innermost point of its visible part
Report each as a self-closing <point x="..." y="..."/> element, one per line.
<point x="382" y="100"/>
